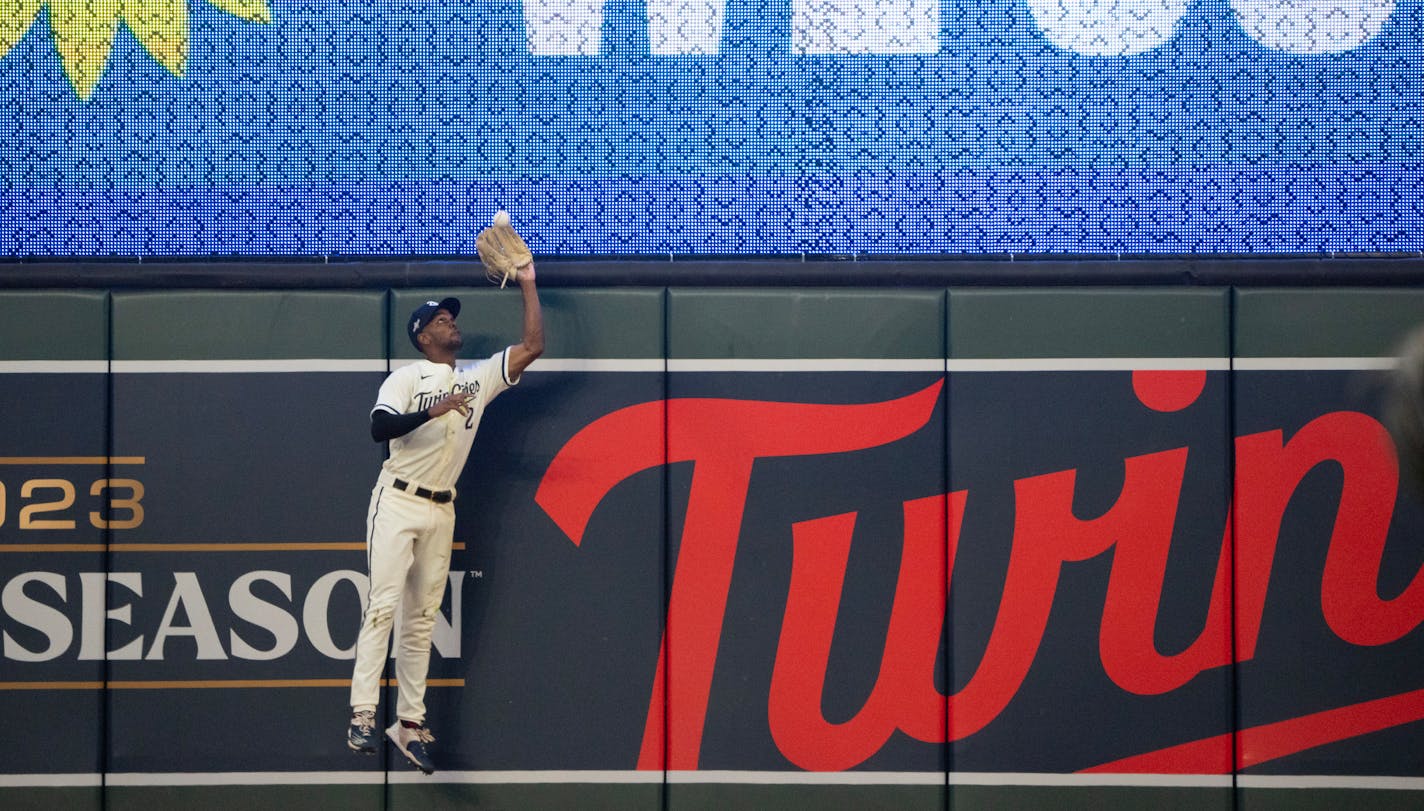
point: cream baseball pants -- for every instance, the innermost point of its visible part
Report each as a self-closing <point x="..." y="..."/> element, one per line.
<point x="408" y="542"/>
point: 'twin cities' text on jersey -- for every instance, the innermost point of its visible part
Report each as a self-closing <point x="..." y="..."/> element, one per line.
<point x="425" y="400"/>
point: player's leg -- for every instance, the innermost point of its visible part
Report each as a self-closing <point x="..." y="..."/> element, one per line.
<point x="425" y="589"/>
<point x="391" y="524"/>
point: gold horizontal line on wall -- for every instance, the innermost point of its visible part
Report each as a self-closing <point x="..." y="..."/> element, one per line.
<point x="294" y="546"/>
<point x="72" y="460"/>
<point x="205" y="684"/>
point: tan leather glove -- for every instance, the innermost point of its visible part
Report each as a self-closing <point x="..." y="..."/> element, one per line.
<point x="502" y="250"/>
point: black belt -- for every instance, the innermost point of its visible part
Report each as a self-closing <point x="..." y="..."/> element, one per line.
<point x="441" y="497"/>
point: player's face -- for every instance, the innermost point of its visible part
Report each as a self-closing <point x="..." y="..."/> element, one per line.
<point x="443" y="331"/>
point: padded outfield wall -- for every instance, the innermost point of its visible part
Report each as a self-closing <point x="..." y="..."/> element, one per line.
<point x="814" y="547"/>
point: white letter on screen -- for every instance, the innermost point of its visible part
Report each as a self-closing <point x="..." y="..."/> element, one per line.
<point x="1107" y="27"/>
<point x="563" y="27"/>
<point x="1312" y="26"/>
<point x="864" y="26"/>
<point x="685" y="26"/>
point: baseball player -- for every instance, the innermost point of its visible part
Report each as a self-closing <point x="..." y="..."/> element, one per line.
<point x="429" y="412"/>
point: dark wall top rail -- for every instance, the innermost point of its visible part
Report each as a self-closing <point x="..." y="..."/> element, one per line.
<point x="858" y="270"/>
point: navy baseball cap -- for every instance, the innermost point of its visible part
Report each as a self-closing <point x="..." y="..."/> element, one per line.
<point x="425" y="313"/>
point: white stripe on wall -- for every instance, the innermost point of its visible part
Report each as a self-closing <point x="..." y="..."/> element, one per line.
<point x="1331" y="781"/>
<point x="249" y="366"/>
<point x="245" y="778"/>
<point x="49" y="780"/>
<point x="809" y="778"/>
<point x="555" y="365"/>
<point x="598" y="365"/>
<point x="806" y="365"/>
<point x="630" y="777"/>
<point x="1313" y="364"/>
<point x="1068" y="780"/>
<point x="63" y="367"/>
<point x="1087" y="364"/>
<point x="531" y="777"/>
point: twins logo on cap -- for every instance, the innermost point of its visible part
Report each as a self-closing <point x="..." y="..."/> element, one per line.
<point x="425" y="313"/>
<point x="415" y="319"/>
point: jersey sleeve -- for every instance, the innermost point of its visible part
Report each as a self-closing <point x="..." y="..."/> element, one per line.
<point x="397" y="391"/>
<point x="504" y="369"/>
<point x="492" y="374"/>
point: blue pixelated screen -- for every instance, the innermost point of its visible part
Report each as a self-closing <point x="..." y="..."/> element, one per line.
<point x="341" y="127"/>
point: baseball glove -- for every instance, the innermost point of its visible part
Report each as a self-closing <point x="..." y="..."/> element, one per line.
<point x="502" y="250"/>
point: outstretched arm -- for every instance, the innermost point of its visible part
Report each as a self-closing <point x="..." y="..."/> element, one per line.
<point x="532" y="346"/>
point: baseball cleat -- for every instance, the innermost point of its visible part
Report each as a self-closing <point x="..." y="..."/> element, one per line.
<point x="361" y="736"/>
<point x="414" y="743"/>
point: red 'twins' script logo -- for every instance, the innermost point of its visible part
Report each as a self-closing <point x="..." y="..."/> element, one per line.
<point x="724" y="438"/>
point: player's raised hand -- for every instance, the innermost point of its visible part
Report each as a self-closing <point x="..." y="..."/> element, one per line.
<point x="454" y="401"/>
<point x="526" y="273"/>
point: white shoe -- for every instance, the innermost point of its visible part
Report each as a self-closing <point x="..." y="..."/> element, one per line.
<point x="414" y="743"/>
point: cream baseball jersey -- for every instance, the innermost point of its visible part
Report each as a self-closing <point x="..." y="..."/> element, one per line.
<point x="434" y="454"/>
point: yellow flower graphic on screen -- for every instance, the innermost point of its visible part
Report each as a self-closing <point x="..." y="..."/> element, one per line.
<point x="84" y="30"/>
